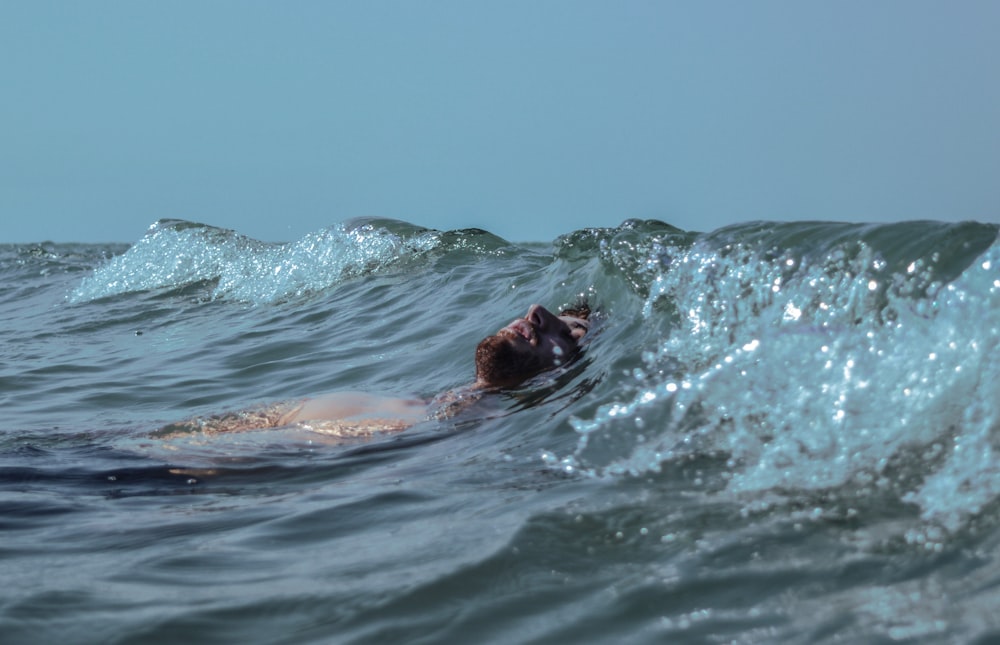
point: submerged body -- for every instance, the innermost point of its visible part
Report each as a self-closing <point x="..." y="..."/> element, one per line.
<point x="527" y="346"/>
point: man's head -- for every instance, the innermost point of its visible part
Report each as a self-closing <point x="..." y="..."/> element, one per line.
<point x="538" y="342"/>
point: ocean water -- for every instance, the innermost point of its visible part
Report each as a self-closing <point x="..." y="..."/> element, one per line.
<point x="776" y="433"/>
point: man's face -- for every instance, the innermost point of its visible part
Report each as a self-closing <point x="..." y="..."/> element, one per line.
<point x="539" y="341"/>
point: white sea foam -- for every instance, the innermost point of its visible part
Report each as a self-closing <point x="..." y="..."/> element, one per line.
<point x="174" y="254"/>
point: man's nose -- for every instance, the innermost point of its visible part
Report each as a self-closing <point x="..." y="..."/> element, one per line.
<point x="539" y="316"/>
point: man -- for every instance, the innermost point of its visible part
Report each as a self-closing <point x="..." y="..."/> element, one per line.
<point x="528" y="346"/>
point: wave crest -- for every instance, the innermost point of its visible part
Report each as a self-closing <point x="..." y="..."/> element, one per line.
<point x="815" y="357"/>
<point x="177" y="253"/>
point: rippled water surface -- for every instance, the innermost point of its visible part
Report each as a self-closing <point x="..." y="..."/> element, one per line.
<point x="776" y="433"/>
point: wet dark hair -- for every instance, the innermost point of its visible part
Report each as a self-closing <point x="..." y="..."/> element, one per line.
<point x="582" y="311"/>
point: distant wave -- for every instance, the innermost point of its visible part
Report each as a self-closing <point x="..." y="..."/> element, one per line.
<point x="176" y="253"/>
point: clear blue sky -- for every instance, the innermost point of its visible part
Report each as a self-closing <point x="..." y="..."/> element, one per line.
<point x="530" y="119"/>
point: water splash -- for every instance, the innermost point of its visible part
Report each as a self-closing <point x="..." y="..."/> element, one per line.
<point x="176" y="253"/>
<point x="856" y="364"/>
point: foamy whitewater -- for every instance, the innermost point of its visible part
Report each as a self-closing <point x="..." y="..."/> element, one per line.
<point x="777" y="432"/>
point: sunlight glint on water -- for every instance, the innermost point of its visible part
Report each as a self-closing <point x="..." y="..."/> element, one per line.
<point x="809" y="378"/>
